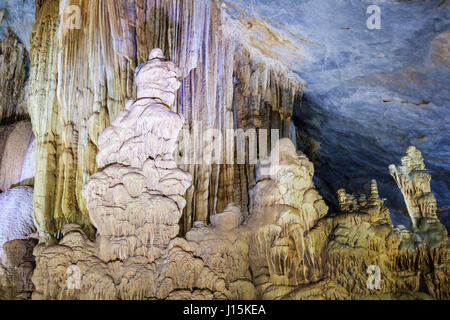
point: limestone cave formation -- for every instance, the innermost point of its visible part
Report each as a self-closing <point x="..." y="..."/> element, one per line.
<point x="233" y="150"/>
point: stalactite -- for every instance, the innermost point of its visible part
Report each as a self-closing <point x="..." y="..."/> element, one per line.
<point x="13" y="61"/>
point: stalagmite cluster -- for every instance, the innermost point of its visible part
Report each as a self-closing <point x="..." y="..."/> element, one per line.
<point x="136" y="203"/>
<point x="286" y="248"/>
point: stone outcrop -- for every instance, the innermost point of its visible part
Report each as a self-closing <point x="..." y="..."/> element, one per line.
<point x="16" y="154"/>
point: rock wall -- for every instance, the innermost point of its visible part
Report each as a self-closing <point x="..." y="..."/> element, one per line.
<point x="71" y="101"/>
<point x="16" y="154"/>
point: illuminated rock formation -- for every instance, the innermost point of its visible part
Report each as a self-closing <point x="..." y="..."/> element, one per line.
<point x="284" y="250"/>
<point x="287" y="248"/>
<point x="363" y="237"/>
<point x="413" y="181"/>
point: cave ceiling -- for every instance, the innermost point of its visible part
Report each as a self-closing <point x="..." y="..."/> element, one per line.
<point x="369" y="94"/>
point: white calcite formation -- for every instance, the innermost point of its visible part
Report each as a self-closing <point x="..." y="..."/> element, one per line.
<point x="16" y="216"/>
<point x="137" y="200"/>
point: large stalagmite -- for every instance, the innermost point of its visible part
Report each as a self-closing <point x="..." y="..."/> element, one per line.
<point x="137" y="200"/>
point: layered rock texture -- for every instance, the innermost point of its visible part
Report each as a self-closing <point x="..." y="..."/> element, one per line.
<point x="286" y="248"/>
<point x="17" y="155"/>
<point x="16" y="215"/>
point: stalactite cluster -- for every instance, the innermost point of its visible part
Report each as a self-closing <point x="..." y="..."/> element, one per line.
<point x="13" y="90"/>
